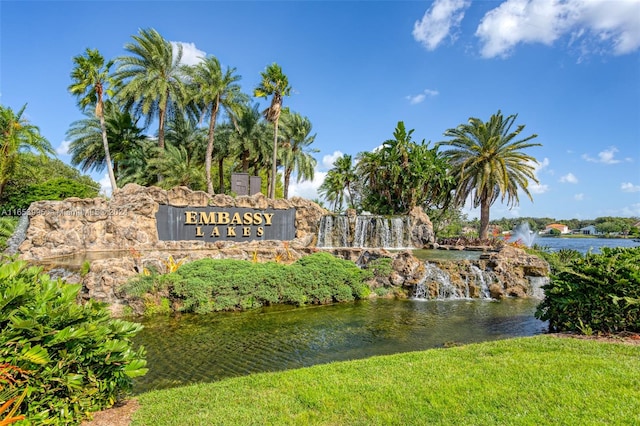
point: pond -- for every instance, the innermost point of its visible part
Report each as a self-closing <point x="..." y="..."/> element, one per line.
<point x="203" y="348"/>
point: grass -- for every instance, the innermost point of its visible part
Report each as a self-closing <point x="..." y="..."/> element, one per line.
<point x="524" y="381"/>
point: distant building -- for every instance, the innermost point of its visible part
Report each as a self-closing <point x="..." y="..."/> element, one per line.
<point x="589" y="230"/>
<point x="563" y="229"/>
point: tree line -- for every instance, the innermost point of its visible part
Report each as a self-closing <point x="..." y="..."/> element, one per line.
<point x="202" y="114"/>
<point x="205" y="122"/>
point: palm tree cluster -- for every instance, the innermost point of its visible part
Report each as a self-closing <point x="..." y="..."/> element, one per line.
<point x="202" y="117"/>
<point x="485" y="162"/>
<point x="392" y="179"/>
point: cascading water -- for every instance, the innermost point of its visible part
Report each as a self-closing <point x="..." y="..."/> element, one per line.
<point x="364" y="231"/>
<point x="445" y="289"/>
<point x="18" y="236"/>
<point x="482" y="277"/>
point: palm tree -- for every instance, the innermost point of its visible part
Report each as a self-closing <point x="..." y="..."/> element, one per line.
<point x="87" y="144"/>
<point x="275" y="84"/>
<point x="16" y="134"/>
<point x="91" y="81"/>
<point x="214" y="90"/>
<point x="340" y="179"/>
<point x="249" y="139"/>
<point x="178" y="167"/>
<point x="151" y="78"/>
<point x="488" y="163"/>
<point x="296" y="155"/>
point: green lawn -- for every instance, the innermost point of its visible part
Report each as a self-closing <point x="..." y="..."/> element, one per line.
<point x="540" y="380"/>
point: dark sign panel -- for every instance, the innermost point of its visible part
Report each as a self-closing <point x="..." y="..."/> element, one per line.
<point x="224" y="224"/>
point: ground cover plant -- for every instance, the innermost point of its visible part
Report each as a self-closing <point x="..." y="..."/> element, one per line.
<point x="525" y="381"/>
<point x="208" y="285"/>
<point x="594" y="293"/>
<point x="69" y="358"/>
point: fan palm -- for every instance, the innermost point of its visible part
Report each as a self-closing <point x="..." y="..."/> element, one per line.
<point x="215" y="90"/>
<point x="151" y="78"/>
<point x="296" y="155"/>
<point x="488" y="162"/>
<point x="16" y="134"/>
<point x="86" y="141"/>
<point x="250" y="141"/>
<point x="91" y="81"/>
<point x="275" y="84"/>
<point x="340" y="179"/>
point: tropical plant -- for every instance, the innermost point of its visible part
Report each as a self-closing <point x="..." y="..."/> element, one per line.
<point x="250" y="142"/>
<point x="402" y="174"/>
<point x="124" y="136"/>
<point x="275" y="84"/>
<point x="151" y="78"/>
<point x="91" y="82"/>
<point x="595" y="293"/>
<point x="296" y="154"/>
<point x="177" y="166"/>
<point x="79" y="358"/>
<point x="488" y="162"/>
<point x="340" y="179"/>
<point x="16" y="135"/>
<point x="214" y="91"/>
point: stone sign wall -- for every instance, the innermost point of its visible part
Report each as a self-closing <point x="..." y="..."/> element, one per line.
<point x="136" y="218"/>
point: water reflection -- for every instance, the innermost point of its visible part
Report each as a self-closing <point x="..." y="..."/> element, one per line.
<point x="192" y="348"/>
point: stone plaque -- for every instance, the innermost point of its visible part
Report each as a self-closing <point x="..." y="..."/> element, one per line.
<point x="224" y="224"/>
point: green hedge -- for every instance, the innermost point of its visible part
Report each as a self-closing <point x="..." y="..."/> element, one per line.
<point x="77" y="357"/>
<point x="208" y="285"/>
<point x="595" y="293"/>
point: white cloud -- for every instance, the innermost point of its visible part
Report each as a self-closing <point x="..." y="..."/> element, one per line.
<point x="578" y="197"/>
<point x="420" y="97"/>
<point x="596" y="25"/>
<point x="309" y="189"/>
<point x="538" y="188"/>
<point x="632" y="211"/>
<point x="438" y="22"/>
<point x="328" y="160"/>
<point x="604" y="157"/>
<point x="629" y="187"/>
<point x="105" y="186"/>
<point x="63" y="149"/>
<point x="191" y="55"/>
<point x="569" y="178"/>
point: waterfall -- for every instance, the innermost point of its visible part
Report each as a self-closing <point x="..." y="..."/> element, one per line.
<point x="482" y="279"/>
<point x="441" y="283"/>
<point x="19" y="234"/>
<point x="441" y="280"/>
<point x="333" y="232"/>
<point x="364" y="231"/>
<point x="535" y="284"/>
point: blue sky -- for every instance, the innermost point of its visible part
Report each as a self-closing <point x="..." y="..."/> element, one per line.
<point x="570" y="70"/>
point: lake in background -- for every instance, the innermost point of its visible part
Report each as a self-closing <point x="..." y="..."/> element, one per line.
<point x="583" y="245"/>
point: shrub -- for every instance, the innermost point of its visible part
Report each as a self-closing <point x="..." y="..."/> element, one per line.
<point x="226" y="284"/>
<point x="79" y="359"/>
<point x="595" y="293"/>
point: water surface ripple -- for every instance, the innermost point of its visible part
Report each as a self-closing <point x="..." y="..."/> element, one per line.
<point x="203" y="348"/>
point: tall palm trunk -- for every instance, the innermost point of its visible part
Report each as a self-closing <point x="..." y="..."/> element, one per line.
<point x="484" y="218"/>
<point x="287" y="179"/>
<point x="274" y="166"/>
<point x="107" y="155"/>
<point x="209" y="154"/>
